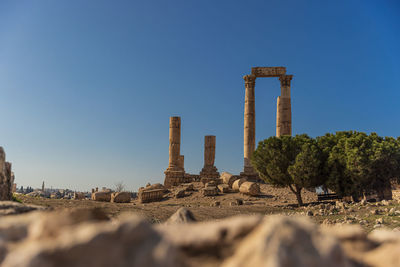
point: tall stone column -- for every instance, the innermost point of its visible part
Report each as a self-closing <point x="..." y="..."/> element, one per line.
<point x="182" y="161"/>
<point x="284" y="108"/>
<point x="209" y="170"/>
<point x="249" y="124"/>
<point x="174" y="174"/>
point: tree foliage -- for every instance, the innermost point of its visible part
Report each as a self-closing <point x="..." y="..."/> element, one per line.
<point x="292" y="162"/>
<point x="349" y="163"/>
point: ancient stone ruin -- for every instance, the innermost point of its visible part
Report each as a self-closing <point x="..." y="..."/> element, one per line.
<point x="175" y="173"/>
<point x="6" y="177"/>
<point x="209" y="170"/>
<point x="283" y="114"/>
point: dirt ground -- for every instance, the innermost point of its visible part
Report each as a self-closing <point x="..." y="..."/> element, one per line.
<point x="271" y="201"/>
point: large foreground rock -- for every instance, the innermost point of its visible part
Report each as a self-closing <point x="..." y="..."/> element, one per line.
<point x="12" y="208"/>
<point x="87" y="238"/>
<point x="288" y="242"/>
<point x="130" y="241"/>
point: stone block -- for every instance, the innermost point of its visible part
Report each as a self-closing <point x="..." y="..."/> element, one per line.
<point x="237" y="183"/>
<point x="180" y="193"/>
<point x="146" y="196"/>
<point x="210" y="191"/>
<point x="79" y="196"/>
<point x="223" y="188"/>
<point x="228" y="178"/>
<point x="121" y="197"/>
<point x="250" y="188"/>
<point x="205" y="180"/>
<point x="101" y="196"/>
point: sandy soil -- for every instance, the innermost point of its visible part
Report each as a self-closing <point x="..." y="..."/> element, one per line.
<point x="271" y="200"/>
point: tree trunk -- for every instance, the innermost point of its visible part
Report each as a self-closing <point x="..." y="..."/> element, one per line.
<point x="297" y="192"/>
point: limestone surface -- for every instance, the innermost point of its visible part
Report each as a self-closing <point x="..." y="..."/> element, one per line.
<point x="121" y="197"/>
<point x="101" y="196"/>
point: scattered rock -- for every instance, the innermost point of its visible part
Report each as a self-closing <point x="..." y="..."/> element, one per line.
<point x="182" y="215"/>
<point x="180" y="193"/>
<point x="210" y="191"/>
<point x="228" y="178"/>
<point x="101" y="196"/>
<point x="79" y="196"/>
<point x="375" y="212"/>
<point x="250" y="188"/>
<point x="385" y="202"/>
<point x="210" y="184"/>
<point x="189" y="187"/>
<point x="239" y="201"/>
<point x="154" y="186"/>
<point x="223" y="188"/>
<point x="216" y="204"/>
<point x="121" y="197"/>
<point x="146" y="196"/>
<point x="237" y="183"/>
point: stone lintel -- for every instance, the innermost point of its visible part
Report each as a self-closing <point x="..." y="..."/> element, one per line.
<point x="268" y="71"/>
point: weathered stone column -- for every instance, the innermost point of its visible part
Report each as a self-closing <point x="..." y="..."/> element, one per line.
<point x="182" y="161"/>
<point x="174" y="142"/>
<point x="174" y="174"/>
<point x="249" y="123"/>
<point x="284" y="109"/>
<point x="209" y="170"/>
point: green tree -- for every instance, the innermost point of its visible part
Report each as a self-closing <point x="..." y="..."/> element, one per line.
<point x="374" y="162"/>
<point x="307" y="169"/>
<point x="292" y="162"/>
<point x="336" y="175"/>
<point x="356" y="163"/>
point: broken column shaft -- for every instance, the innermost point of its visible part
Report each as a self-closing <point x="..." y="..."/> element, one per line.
<point x="174" y="174"/>
<point x="209" y="170"/>
<point x="284" y="109"/>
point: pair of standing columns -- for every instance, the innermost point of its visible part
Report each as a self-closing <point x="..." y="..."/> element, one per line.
<point x="175" y="173"/>
<point x="283" y="117"/>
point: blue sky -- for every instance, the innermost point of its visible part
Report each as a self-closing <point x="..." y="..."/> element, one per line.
<point x="87" y="87"/>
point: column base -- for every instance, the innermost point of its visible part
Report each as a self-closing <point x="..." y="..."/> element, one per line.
<point x="209" y="172"/>
<point x="251" y="176"/>
<point x="174" y="178"/>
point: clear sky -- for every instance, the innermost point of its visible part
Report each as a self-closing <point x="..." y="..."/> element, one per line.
<point x="87" y="87"/>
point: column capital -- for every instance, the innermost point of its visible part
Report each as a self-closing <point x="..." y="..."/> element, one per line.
<point x="249" y="80"/>
<point x="285" y="80"/>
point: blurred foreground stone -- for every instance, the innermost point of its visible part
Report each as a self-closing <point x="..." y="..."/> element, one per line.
<point x="88" y="238"/>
